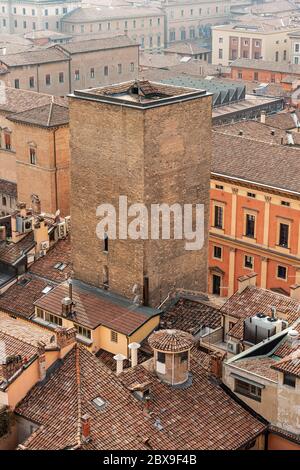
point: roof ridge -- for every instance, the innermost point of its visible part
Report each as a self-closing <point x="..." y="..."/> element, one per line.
<point x="79" y="407"/>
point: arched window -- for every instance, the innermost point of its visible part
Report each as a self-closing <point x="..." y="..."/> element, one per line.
<point x="7" y="138"/>
<point x="105" y="244"/>
<point x="32" y="153"/>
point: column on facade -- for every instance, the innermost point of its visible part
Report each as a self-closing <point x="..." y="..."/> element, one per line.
<point x="231" y="271"/>
<point x="233" y="211"/>
<point x="264" y="272"/>
<point x="267" y="220"/>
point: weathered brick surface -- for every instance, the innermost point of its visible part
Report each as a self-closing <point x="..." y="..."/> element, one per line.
<point x="151" y="156"/>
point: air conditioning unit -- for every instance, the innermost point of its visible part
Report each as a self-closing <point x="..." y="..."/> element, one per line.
<point x="43" y="252"/>
<point x="28" y="225"/>
<point x="68" y="223"/>
<point x="45" y="245"/>
<point x="233" y="348"/>
<point x="62" y="229"/>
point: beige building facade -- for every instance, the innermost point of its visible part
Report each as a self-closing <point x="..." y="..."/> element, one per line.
<point x="30" y="15"/>
<point x="254" y="42"/>
<point x="143" y="25"/>
<point x="60" y="69"/>
<point x="194" y="19"/>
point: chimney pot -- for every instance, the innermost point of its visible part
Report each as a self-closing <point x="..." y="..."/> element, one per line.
<point x="119" y="358"/>
<point x="263" y="117"/>
<point x="86" y="427"/>
<point x="134" y="353"/>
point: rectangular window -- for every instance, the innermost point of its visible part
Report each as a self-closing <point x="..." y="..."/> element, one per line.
<point x="114" y="336"/>
<point x="281" y="272"/>
<point x="46" y="12"/>
<point x="61" y="77"/>
<point x="248" y="262"/>
<point x="53" y="319"/>
<point x="161" y="357"/>
<point x="33" y="26"/>
<point x="4" y="22"/>
<point x="219" y="186"/>
<point x="131" y="66"/>
<point x="32" y="12"/>
<point x="218" y="217"/>
<point x="17" y="83"/>
<point x="119" y="68"/>
<point x="289" y="379"/>
<point x="92" y="73"/>
<point x="284" y="235"/>
<point x="276" y="56"/>
<point x="65" y="10"/>
<point x="77" y="75"/>
<point x="106" y="70"/>
<point x="32" y="155"/>
<point x="248" y="390"/>
<point x="47" y="25"/>
<point x="7" y="140"/>
<point x="250" y="226"/>
<point x="285" y="203"/>
<point x="220" y="53"/>
<point x="24" y="24"/>
<point x="253" y="195"/>
<point x="24" y="11"/>
<point x="218" y="252"/>
<point x="256" y="76"/>
<point x="83" y="331"/>
<point x="31" y="82"/>
<point x="48" y="79"/>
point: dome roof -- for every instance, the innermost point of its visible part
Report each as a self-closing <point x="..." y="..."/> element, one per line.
<point x="171" y="340"/>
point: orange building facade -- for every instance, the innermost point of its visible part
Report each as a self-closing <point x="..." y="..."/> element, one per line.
<point x="252" y="229"/>
<point x="264" y="76"/>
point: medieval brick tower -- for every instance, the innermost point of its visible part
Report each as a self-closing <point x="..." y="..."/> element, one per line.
<point x="151" y="143"/>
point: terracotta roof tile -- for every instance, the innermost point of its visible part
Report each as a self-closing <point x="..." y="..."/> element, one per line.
<point x="212" y="419"/>
<point x="261" y="367"/>
<point x="94" y="308"/>
<point x="48" y="115"/>
<point x="11" y="253"/>
<point x="8" y="187"/>
<point x="45" y="266"/>
<point x="241" y="157"/>
<point x="171" y="340"/>
<point x="20" y="297"/>
<point x="32" y="57"/>
<point x="15" y="100"/>
<point x="191" y="315"/>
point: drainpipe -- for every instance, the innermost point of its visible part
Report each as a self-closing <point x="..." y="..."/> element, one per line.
<point x="37" y="78"/>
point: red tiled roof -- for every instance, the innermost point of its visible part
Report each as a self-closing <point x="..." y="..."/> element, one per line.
<point x="48" y="115"/>
<point x="289" y="364"/>
<point x="171" y="340"/>
<point x="93" y="309"/>
<point x="19" y="298"/>
<point x="259" y="366"/>
<point x="211" y="420"/>
<point x="255" y="300"/>
<point x="57" y="407"/>
<point x="59" y="253"/>
<point x="201" y="416"/>
<point x="11" y="253"/>
<point x="190" y="315"/>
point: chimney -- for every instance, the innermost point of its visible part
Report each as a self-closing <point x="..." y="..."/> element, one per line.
<point x="216" y="359"/>
<point x="134" y="353"/>
<point x="2" y="233"/>
<point x="70" y="289"/>
<point x="295" y="291"/>
<point x="273" y="313"/>
<point x="263" y="117"/>
<point x="10" y="365"/>
<point x="290" y="138"/>
<point x="241" y="132"/>
<point x="293" y="338"/>
<point x="36" y="204"/>
<point x="22" y="208"/>
<point x="119" y="358"/>
<point x="66" y="306"/>
<point x="42" y="361"/>
<point x="65" y="337"/>
<point x="86" y="427"/>
<point x="272" y="132"/>
<point x="246" y="281"/>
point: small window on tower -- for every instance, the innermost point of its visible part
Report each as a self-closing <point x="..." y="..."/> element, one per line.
<point x="105" y="248"/>
<point x="32" y="155"/>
